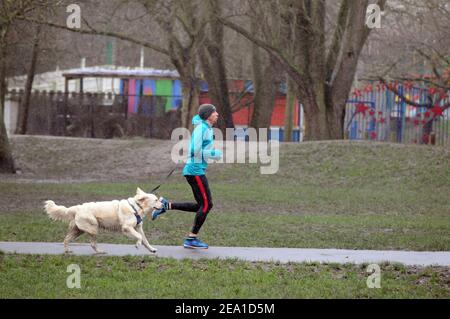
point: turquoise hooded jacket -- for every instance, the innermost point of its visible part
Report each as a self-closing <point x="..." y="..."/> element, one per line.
<point x="201" y="148"/>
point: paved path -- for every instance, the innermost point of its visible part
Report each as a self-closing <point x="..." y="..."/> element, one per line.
<point x="282" y="255"/>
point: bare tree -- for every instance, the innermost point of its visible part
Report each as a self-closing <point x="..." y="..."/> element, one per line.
<point x="182" y="26"/>
<point x="181" y="22"/>
<point x="25" y="105"/>
<point x="266" y="71"/>
<point x="8" y="13"/>
<point x="414" y="50"/>
<point x="414" y="46"/>
<point x="323" y="76"/>
<point x="212" y="60"/>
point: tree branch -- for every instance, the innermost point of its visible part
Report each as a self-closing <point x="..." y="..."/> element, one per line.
<point x="93" y="31"/>
<point x="408" y="101"/>
<point x="337" y="38"/>
<point x="290" y="68"/>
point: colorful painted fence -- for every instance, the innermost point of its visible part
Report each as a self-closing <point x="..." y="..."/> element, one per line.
<point x="135" y="89"/>
<point x="241" y="100"/>
<point x="374" y="112"/>
<point x="377" y="113"/>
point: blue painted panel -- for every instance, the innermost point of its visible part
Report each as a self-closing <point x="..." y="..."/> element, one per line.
<point x="149" y="87"/>
<point x="204" y="86"/>
<point x="177" y="93"/>
<point x="137" y="92"/>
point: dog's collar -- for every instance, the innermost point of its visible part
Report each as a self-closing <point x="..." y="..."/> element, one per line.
<point x="136" y="213"/>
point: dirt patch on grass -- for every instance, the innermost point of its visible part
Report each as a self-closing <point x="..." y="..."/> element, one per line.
<point x="50" y="159"/>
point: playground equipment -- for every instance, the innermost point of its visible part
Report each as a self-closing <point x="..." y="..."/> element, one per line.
<point x="384" y="112"/>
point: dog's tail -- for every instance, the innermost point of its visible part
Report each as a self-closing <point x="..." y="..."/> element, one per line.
<point x="60" y="213"/>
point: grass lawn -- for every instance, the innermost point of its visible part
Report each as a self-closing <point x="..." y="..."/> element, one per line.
<point x="26" y="276"/>
<point x="325" y="195"/>
<point x="250" y="228"/>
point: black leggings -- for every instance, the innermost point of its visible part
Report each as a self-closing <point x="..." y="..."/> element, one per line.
<point x="203" y="205"/>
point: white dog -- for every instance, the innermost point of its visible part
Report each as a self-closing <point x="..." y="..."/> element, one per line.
<point x="123" y="216"/>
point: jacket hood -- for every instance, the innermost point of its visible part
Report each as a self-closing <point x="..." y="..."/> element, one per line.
<point x="197" y="120"/>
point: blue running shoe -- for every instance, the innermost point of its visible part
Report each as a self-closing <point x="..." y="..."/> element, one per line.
<point x="165" y="207"/>
<point x="194" y="243"/>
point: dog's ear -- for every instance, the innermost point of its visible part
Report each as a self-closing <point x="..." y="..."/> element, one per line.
<point x="139" y="197"/>
<point x="140" y="191"/>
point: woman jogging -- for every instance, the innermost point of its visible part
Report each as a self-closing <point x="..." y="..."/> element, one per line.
<point x="200" y="150"/>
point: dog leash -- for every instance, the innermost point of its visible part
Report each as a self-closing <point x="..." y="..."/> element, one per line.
<point x="165" y="179"/>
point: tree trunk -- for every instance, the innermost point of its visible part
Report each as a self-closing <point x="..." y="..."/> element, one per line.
<point x="265" y="86"/>
<point x="323" y="121"/>
<point x="185" y="63"/>
<point x="6" y="160"/>
<point x="335" y="118"/>
<point x="25" y="105"/>
<point x="190" y="101"/>
<point x="427" y="129"/>
<point x="264" y="103"/>
<point x="215" y="76"/>
<point x="223" y="102"/>
<point x="213" y="65"/>
<point x="315" y="121"/>
<point x="3" y="86"/>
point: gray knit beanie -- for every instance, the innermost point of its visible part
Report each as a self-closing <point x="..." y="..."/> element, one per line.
<point x="205" y="110"/>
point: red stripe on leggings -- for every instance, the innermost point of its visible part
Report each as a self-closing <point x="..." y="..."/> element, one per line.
<point x="202" y="190"/>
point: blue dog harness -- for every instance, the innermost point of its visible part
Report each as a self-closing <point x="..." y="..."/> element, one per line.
<point x="136" y="214"/>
